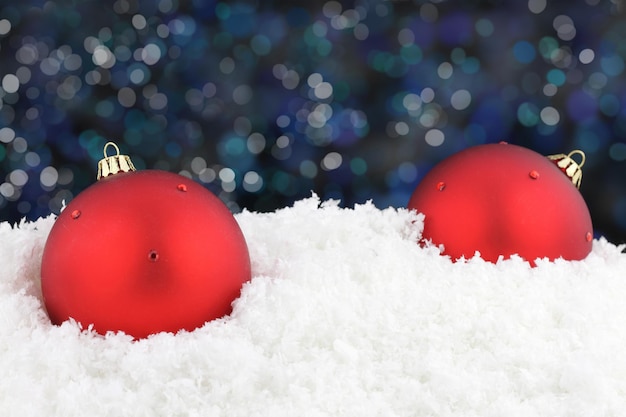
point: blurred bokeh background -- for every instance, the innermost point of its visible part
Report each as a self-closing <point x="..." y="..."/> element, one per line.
<point x="264" y="102"/>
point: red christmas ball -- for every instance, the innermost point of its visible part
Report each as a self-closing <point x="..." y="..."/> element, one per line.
<point x="500" y="200"/>
<point x="143" y="252"/>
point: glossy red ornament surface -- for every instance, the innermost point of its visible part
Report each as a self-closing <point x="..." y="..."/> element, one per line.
<point x="143" y="252"/>
<point x="500" y="200"/>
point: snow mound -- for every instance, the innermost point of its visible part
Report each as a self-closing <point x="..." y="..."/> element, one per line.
<point x="345" y="315"/>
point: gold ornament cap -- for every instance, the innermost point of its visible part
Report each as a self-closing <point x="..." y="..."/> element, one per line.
<point x="570" y="167"/>
<point x="113" y="164"/>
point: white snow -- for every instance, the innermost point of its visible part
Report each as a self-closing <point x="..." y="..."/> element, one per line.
<point x="345" y="316"/>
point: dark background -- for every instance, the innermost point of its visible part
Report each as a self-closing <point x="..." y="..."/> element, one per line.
<point x="264" y="102"/>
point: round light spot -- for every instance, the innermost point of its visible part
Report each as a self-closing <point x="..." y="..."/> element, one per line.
<point x="290" y="80"/>
<point x="331" y="161"/>
<point x="48" y="177"/>
<point x="102" y="56"/>
<point x="434" y="137"/>
<point x="256" y="143"/>
<point x="227" y="175"/>
<point x="564" y="26"/>
<point x="6" y="134"/>
<point x="536" y="6"/>
<point x="252" y="182"/>
<point x="242" y="94"/>
<point x="402" y="128"/>
<point x="151" y="54"/>
<point x="617" y="151"/>
<point x="314" y="79"/>
<point x="19" y="177"/>
<point x="198" y="164"/>
<point x="445" y="70"/>
<point x="7" y="190"/>
<point x="323" y="90"/>
<point x="427" y="95"/>
<point x="407" y="172"/>
<point x="5" y="26"/>
<point x="550" y="90"/>
<point x="10" y="83"/>
<point x="32" y="159"/>
<point x="308" y="169"/>
<point x="158" y="101"/>
<point x="412" y="102"/>
<point x="20" y="145"/>
<point x="227" y="65"/>
<point x="550" y="116"/>
<point x="460" y="99"/>
<point x="406" y="36"/>
<point x="139" y="22"/>
<point x="283" y="120"/>
<point x="586" y="56"/>
<point x="126" y="96"/>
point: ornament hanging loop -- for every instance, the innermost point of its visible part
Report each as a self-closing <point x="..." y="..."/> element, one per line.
<point x="569" y="166"/>
<point x="106" y="145"/>
<point x="579" y="152"/>
<point x="110" y="165"/>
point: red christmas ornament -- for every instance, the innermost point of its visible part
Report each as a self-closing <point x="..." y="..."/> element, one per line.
<point x="500" y="200"/>
<point x="143" y="252"/>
